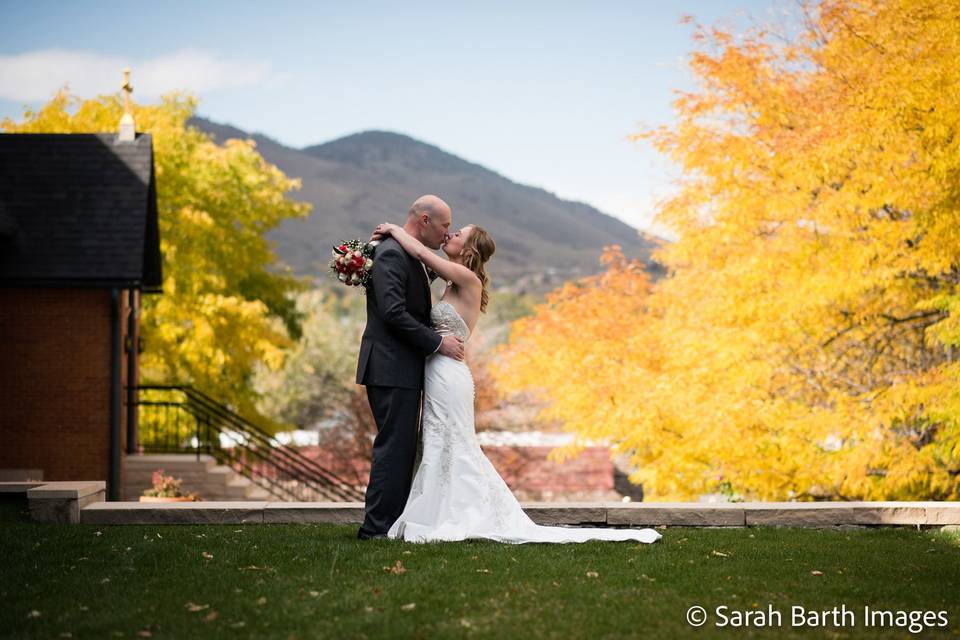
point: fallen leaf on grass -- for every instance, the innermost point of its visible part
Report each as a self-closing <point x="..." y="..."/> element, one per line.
<point x="237" y="625"/>
<point x="409" y="607"/>
<point x="192" y="606"/>
<point x="317" y="594"/>
<point x="484" y="571"/>
<point x="719" y="554"/>
<point x="646" y="577"/>
<point x="262" y="600"/>
<point x="254" y="567"/>
<point x="105" y="581"/>
<point x="207" y="556"/>
<point x="593" y="574"/>
<point x="397" y="568"/>
<point x="465" y="623"/>
<point x="98" y="533"/>
<point x="408" y="553"/>
<point x="816" y="573"/>
<point x="33" y="614"/>
<point x="145" y="633"/>
<point x="213" y="615"/>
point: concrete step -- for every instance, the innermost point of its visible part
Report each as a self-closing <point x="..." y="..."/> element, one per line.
<point x="256" y="493"/>
<point x="242" y="488"/>
<point x="168" y="461"/>
<point x="237" y="488"/>
<point x="204" y="477"/>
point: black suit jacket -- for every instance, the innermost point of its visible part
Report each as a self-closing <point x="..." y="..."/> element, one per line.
<point x="398" y="337"/>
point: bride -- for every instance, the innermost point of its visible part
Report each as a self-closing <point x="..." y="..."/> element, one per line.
<point x="456" y="492"/>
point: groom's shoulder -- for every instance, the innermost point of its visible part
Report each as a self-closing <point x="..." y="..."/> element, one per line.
<point x="388" y="245"/>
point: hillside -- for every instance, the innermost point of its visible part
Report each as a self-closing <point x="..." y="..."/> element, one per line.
<point x="360" y="180"/>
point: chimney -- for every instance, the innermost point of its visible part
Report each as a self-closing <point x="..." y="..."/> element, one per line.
<point x="128" y="129"/>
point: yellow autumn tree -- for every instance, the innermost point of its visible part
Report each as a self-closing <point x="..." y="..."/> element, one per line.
<point x="222" y="312"/>
<point x="803" y="344"/>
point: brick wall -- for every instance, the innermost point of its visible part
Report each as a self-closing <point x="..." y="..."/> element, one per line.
<point x="55" y="382"/>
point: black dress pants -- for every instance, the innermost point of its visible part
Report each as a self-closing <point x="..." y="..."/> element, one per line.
<point x="397" y="414"/>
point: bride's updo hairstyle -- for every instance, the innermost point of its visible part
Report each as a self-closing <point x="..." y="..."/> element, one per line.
<point x="476" y="251"/>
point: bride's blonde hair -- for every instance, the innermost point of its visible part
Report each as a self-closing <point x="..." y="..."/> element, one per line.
<point x="476" y="251"/>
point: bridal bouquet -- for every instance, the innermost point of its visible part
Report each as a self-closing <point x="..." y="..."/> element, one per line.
<point x="353" y="262"/>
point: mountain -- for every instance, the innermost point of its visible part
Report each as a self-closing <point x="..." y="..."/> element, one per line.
<point x="361" y="180"/>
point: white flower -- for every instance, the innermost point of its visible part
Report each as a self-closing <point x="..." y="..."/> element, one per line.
<point x="368" y="264"/>
<point x="355" y="277"/>
<point x="342" y="277"/>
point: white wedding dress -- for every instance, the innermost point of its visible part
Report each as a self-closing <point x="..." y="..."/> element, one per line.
<point x="456" y="492"/>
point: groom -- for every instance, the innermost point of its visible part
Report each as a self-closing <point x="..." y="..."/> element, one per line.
<point x="396" y="341"/>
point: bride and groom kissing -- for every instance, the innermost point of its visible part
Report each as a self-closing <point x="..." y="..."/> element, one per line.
<point x="441" y="486"/>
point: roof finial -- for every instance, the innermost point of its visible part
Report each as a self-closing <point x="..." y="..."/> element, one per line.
<point x="128" y="129"/>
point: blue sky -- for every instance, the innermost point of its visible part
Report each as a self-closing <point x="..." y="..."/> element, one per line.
<point x="544" y="93"/>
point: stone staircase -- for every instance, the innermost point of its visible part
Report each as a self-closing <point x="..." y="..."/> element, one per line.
<point x="203" y="476"/>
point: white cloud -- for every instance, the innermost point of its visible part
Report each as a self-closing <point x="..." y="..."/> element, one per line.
<point x="36" y="75"/>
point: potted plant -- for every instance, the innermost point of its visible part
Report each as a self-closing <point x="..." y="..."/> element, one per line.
<point x="166" y="489"/>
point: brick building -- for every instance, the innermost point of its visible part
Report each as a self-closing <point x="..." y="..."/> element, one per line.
<point x="79" y="244"/>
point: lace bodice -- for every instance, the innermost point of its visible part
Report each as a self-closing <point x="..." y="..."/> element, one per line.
<point x="447" y="321"/>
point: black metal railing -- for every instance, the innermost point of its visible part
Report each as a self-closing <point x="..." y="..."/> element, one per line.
<point x="180" y="419"/>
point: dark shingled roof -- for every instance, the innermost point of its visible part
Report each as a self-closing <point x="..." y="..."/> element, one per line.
<point x="78" y="210"/>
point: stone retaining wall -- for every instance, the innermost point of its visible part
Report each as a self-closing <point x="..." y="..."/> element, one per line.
<point x="83" y="502"/>
<point x="650" y="514"/>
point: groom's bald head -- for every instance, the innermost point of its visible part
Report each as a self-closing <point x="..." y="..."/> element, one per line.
<point x="429" y="220"/>
<point x="430" y="205"/>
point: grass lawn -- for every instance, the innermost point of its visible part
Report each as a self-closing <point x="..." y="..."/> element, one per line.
<point x="318" y="581"/>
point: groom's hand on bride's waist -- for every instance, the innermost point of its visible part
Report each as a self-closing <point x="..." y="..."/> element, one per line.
<point x="452" y="347"/>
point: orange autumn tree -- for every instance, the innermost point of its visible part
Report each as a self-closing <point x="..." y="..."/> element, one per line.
<point x="804" y="342"/>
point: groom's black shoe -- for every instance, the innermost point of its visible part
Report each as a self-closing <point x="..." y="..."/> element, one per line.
<point x="363" y="535"/>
